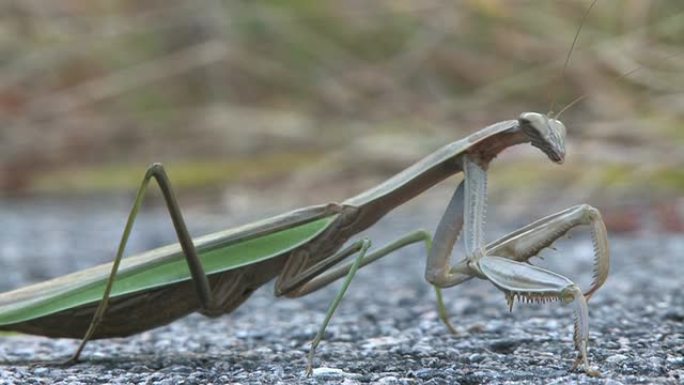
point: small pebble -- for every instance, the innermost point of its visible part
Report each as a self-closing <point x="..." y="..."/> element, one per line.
<point x="616" y="358"/>
<point x="328" y="373"/>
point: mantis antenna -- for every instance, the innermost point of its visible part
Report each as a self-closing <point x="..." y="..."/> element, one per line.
<point x="571" y="104"/>
<point x="622" y="76"/>
<point x="567" y="58"/>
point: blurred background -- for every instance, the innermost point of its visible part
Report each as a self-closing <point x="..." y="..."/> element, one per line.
<point x="261" y="107"/>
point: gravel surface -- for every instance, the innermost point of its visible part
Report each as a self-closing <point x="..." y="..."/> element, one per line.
<point x="386" y="330"/>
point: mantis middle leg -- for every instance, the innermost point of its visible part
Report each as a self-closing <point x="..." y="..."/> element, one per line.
<point x="297" y="284"/>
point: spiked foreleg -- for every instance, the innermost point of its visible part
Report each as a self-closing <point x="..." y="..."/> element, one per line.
<point x="528" y="241"/>
<point x="465" y="212"/>
<point x="468" y="205"/>
<point x="531" y="283"/>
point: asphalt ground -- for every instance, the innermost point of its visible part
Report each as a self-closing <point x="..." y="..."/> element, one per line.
<point x="387" y="329"/>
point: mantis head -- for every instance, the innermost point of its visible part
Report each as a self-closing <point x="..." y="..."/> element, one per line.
<point x="544" y="133"/>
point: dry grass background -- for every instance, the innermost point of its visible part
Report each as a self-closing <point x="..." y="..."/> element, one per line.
<point x="302" y="102"/>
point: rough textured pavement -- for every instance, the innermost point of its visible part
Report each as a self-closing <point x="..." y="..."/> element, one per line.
<point x="385" y="332"/>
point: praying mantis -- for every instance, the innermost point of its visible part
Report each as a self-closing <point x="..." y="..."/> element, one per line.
<point x="302" y="250"/>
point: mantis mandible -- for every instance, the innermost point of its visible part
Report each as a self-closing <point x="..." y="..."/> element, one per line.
<point x="301" y="249"/>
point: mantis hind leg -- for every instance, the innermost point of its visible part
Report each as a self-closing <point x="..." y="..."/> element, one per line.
<point x="156" y="172"/>
<point x="320" y="275"/>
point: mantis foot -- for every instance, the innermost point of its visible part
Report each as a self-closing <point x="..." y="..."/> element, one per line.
<point x="443" y="313"/>
<point x="587" y="369"/>
<point x="68" y="362"/>
<point x="57" y="363"/>
<point x="309" y="360"/>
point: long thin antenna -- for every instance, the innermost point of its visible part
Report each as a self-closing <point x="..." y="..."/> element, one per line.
<point x="572" y="103"/>
<point x="567" y="58"/>
<point x="622" y="76"/>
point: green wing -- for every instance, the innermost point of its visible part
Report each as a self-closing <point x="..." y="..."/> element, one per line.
<point x="218" y="252"/>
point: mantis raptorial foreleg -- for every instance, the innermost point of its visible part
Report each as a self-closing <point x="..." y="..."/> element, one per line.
<point x="532" y="283"/>
<point x="528" y="241"/>
<point x="465" y="212"/>
<point x="509" y="274"/>
<point x="518" y="279"/>
<point x="199" y="278"/>
<point x="475" y="201"/>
